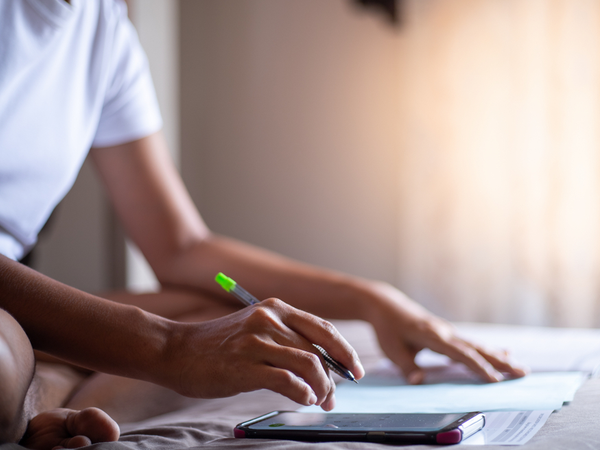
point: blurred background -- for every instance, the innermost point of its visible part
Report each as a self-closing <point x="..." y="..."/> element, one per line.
<point x="453" y="151"/>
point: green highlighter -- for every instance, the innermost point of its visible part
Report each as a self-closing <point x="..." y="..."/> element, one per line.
<point x="238" y="292"/>
<point x="248" y="299"/>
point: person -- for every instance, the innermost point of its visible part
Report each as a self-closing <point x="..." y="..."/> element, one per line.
<point x="73" y="77"/>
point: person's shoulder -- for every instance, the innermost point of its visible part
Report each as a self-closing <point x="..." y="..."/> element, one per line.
<point x="111" y="10"/>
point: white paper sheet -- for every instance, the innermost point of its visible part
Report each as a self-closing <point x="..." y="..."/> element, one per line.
<point x="509" y="428"/>
<point x="385" y="394"/>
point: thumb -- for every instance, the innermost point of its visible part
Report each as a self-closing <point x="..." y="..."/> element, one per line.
<point x="405" y="359"/>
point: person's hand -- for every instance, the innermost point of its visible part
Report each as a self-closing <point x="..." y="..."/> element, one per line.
<point x="404" y="328"/>
<point x="67" y="428"/>
<point x="264" y="346"/>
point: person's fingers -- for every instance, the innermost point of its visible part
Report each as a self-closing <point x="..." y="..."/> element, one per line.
<point x="461" y="351"/>
<point x="303" y="364"/>
<point x="441" y="337"/>
<point x="289" y="385"/>
<point x="287" y="337"/>
<point x="502" y="362"/>
<point x="329" y="402"/>
<point x="323" y="333"/>
<point x="293" y="339"/>
<point x="405" y="359"/>
<point x="292" y="350"/>
<point x="280" y="346"/>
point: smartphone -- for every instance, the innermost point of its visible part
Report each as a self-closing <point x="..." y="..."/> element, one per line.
<point x="387" y="428"/>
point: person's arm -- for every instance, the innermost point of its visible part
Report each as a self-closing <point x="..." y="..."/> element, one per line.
<point x="266" y="346"/>
<point x="80" y="327"/>
<point x="160" y="217"/>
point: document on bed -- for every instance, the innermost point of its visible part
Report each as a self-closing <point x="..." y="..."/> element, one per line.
<point x="383" y="394"/>
<point x="509" y="427"/>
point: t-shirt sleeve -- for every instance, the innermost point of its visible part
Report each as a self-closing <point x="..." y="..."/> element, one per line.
<point x="130" y="110"/>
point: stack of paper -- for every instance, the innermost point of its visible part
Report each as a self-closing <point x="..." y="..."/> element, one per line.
<point x="509" y="427"/>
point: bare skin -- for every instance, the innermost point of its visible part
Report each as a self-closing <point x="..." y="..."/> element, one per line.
<point x="16" y="374"/>
<point x="129" y="400"/>
<point x="95" y="402"/>
<point x="67" y="428"/>
<point x="24" y="401"/>
<point x="120" y="399"/>
<point x="151" y="200"/>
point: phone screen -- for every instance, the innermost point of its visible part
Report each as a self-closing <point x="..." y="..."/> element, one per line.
<point x="358" y="422"/>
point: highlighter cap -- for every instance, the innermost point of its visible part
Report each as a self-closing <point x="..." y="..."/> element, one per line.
<point x="226" y="283"/>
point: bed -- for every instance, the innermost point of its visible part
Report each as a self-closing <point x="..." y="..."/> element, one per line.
<point x="208" y="424"/>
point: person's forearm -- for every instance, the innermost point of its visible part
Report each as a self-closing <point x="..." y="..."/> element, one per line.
<point x="81" y="328"/>
<point x="265" y="274"/>
<point x="160" y="217"/>
<point x="217" y="358"/>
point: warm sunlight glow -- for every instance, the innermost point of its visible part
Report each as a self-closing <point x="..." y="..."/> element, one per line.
<point x="500" y="191"/>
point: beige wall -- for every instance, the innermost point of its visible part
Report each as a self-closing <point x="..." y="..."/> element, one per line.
<point x="77" y="247"/>
<point x="288" y="133"/>
<point x="456" y="157"/>
<point x="500" y="173"/>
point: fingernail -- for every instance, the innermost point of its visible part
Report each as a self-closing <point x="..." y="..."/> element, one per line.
<point x="361" y="370"/>
<point x="312" y="399"/>
<point x="521" y="371"/>
<point x="329" y="404"/>
<point x="498" y="376"/>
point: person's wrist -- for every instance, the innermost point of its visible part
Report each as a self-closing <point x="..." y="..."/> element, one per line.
<point x="368" y="298"/>
<point x="182" y="350"/>
<point x="384" y="299"/>
<point x="156" y="356"/>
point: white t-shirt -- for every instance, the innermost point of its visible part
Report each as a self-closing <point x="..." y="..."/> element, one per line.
<point x="72" y="76"/>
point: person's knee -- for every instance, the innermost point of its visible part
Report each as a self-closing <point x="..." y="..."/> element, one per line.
<point x="17" y="365"/>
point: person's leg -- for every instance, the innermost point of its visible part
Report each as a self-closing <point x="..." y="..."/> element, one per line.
<point x="67" y="428"/>
<point x="16" y="375"/>
<point x="23" y="396"/>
